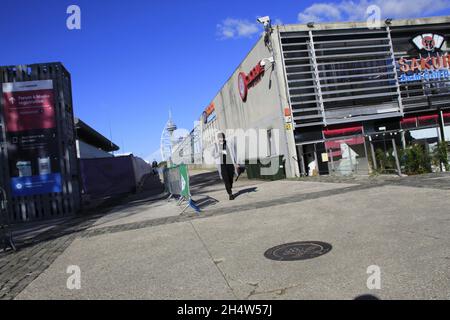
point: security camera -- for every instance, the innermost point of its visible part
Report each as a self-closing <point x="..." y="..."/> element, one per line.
<point x="264" y="20"/>
<point x="264" y="61"/>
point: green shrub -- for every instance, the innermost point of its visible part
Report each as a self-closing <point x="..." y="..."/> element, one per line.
<point x="390" y="159"/>
<point x="385" y="160"/>
<point x="440" y="155"/>
<point x="416" y="160"/>
<point x="381" y="159"/>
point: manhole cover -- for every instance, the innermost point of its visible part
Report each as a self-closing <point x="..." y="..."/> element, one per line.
<point x="298" y="251"/>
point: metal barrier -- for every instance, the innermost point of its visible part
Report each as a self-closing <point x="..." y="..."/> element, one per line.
<point x="176" y="182"/>
<point x="172" y="181"/>
<point x="6" y="238"/>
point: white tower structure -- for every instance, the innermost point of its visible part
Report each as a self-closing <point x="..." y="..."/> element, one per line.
<point x="167" y="139"/>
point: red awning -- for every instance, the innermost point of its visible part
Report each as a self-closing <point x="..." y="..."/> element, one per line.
<point x="342" y="131"/>
<point x="336" y="154"/>
<point x="408" y="120"/>
<point x="336" y="144"/>
<point x="429" y="117"/>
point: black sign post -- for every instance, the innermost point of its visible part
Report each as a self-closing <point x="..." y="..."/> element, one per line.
<point x="6" y="238"/>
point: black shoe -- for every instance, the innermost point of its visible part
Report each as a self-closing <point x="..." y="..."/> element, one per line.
<point x="231" y="197"/>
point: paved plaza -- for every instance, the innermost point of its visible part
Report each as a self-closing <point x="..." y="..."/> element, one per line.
<point x="144" y="249"/>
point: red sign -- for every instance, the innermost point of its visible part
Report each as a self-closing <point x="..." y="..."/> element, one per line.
<point x="246" y="81"/>
<point x="428" y="41"/>
<point x="287" y="112"/>
<point x="29" y="105"/>
<point x="425" y="63"/>
<point x="208" y="111"/>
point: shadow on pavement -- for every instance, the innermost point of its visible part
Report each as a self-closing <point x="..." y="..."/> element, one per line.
<point x="367" y="297"/>
<point x="247" y="190"/>
<point x="205" y="202"/>
<point x="201" y="181"/>
<point x="28" y="234"/>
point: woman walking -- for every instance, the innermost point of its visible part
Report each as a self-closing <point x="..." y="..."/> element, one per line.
<point x="225" y="156"/>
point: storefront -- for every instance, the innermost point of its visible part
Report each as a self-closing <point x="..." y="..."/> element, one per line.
<point x="354" y="90"/>
<point x="340" y="93"/>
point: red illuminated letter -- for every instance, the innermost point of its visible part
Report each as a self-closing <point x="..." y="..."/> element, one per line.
<point x="404" y="67"/>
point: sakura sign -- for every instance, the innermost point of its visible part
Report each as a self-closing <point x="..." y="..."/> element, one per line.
<point x="432" y="64"/>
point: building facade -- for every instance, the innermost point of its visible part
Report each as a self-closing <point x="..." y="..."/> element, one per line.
<point x="336" y="93"/>
<point x="92" y="144"/>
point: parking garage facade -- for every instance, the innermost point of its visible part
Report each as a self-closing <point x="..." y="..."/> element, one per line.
<point x="340" y="95"/>
<point x="354" y="90"/>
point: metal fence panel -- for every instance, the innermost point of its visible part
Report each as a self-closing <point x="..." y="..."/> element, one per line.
<point x="172" y="180"/>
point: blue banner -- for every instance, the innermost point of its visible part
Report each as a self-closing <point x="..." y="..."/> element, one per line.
<point x="425" y="75"/>
<point x="32" y="185"/>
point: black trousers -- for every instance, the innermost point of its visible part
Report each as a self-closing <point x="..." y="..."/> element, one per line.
<point x="227" y="176"/>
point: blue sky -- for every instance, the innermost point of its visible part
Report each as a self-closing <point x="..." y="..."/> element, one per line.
<point x="133" y="60"/>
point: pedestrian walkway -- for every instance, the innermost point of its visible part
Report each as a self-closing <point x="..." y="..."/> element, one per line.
<point x="143" y="251"/>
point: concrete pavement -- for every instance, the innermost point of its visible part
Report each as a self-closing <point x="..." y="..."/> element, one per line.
<point x="148" y="251"/>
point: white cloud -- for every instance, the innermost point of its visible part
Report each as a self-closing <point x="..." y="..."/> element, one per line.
<point x="348" y="10"/>
<point x="320" y="12"/>
<point x="155" y="155"/>
<point x="236" y="28"/>
<point x="277" y="22"/>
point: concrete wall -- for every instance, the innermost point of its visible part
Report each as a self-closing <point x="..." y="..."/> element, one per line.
<point x="209" y="131"/>
<point x="353" y="25"/>
<point x="265" y="102"/>
<point x="141" y="168"/>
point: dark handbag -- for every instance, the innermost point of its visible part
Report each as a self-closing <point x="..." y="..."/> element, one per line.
<point x="240" y="170"/>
